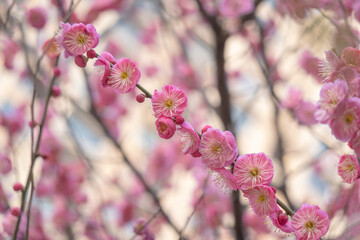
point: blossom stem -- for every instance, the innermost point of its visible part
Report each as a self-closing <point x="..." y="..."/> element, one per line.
<point x="285" y="207"/>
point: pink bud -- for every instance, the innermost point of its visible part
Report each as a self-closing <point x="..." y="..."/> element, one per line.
<point x="55" y="91"/>
<point x="140" y="98"/>
<point x="17" y="186"/>
<point x="33" y="124"/>
<point x="81" y="61"/>
<point x="57" y="71"/>
<point x="15" y="211"/>
<point x="205" y="128"/>
<point x="91" y="54"/>
<point x="196" y="154"/>
<point x="179" y="120"/>
<point x="282" y="218"/>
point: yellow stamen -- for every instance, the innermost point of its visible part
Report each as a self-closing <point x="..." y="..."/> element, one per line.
<point x="254" y="172"/>
<point x="169" y="103"/>
<point x="124" y="75"/>
<point x="310" y="225"/>
<point x="349" y="118"/>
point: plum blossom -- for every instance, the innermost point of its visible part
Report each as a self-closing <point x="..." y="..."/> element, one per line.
<point x="305" y="113"/>
<point x="51" y="46"/>
<point x="224" y="178"/>
<point x="310" y="222"/>
<point x="351" y="56"/>
<point x="262" y="199"/>
<point x="165" y="127"/>
<point x="124" y="76"/>
<point x="236" y="8"/>
<point x="253" y="170"/>
<point x="346" y="119"/>
<point x="102" y="67"/>
<point x="218" y="148"/>
<point x="331" y="94"/>
<point x="330" y="65"/>
<point x="348" y="168"/>
<point x="311" y="65"/>
<point x="5" y="164"/>
<point x="37" y="17"/>
<point x="189" y="138"/>
<point x="279" y="221"/>
<point x="170" y="102"/>
<point x="78" y="38"/>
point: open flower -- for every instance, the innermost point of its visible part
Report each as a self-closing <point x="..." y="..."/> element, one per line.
<point x="102" y="67"/>
<point x="189" y="138"/>
<point x="279" y="221"/>
<point x="124" y="76"/>
<point x="310" y="222"/>
<point x="78" y="38"/>
<point x="348" y="168"/>
<point x="253" y="170"/>
<point x="346" y="119"/>
<point x="218" y="148"/>
<point x="170" y="102"/>
<point x="331" y="94"/>
<point x="262" y="199"/>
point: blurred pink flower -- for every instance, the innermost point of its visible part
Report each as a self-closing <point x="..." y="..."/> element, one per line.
<point x="310" y="222"/>
<point x="124" y="76"/>
<point x="311" y="65"/>
<point x="293" y="98"/>
<point x="253" y="170"/>
<point x="351" y="56"/>
<point x="77" y="39"/>
<point x="236" y="8"/>
<point x="331" y="94"/>
<point x="305" y="113"/>
<point x="9" y="50"/>
<point x="52" y="47"/>
<point x="348" y="168"/>
<point x="189" y="138"/>
<point x="5" y="164"/>
<point x="37" y="17"/>
<point x="170" y="102"/>
<point x="330" y="66"/>
<point x="218" y="148"/>
<point x="346" y="119"/>
<point x="262" y="199"/>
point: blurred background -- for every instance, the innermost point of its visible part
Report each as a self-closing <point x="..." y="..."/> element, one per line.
<point x="253" y="72"/>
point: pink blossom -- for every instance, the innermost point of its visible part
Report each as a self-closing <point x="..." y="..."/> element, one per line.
<point x="224" y="178"/>
<point x="5" y="164"/>
<point x="330" y="65"/>
<point x="305" y="113"/>
<point x="253" y="170"/>
<point x="311" y="65"/>
<point x="218" y="148"/>
<point x="9" y="49"/>
<point x="346" y="119"/>
<point x="262" y="199"/>
<point x="331" y="94"/>
<point x="236" y="8"/>
<point x="165" y="127"/>
<point x="189" y="139"/>
<point x="280" y="221"/>
<point x="170" y="102"/>
<point x="351" y="56"/>
<point x="78" y="38"/>
<point x="293" y="98"/>
<point x="310" y="222"/>
<point x="52" y="48"/>
<point x="37" y="17"/>
<point x="102" y="67"/>
<point x="348" y="168"/>
<point x="124" y="76"/>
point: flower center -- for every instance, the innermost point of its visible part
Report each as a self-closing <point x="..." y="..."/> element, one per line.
<point x="262" y="198"/>
<point x="254" y="172"/>
<point x="82" y="39"/>
<point x="124" y="75"/>
<point x="162" y="127"/>
<point x="349" y="168"/>
<point x="349" y="118"/>
<point x="217" y="148"/>
<point x="169" y="103"/>
<point x="310" y="225"/>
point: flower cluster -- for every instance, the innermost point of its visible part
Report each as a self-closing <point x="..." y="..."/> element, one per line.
<point x="251" y="173"/>
<point x="339" y="105"/>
